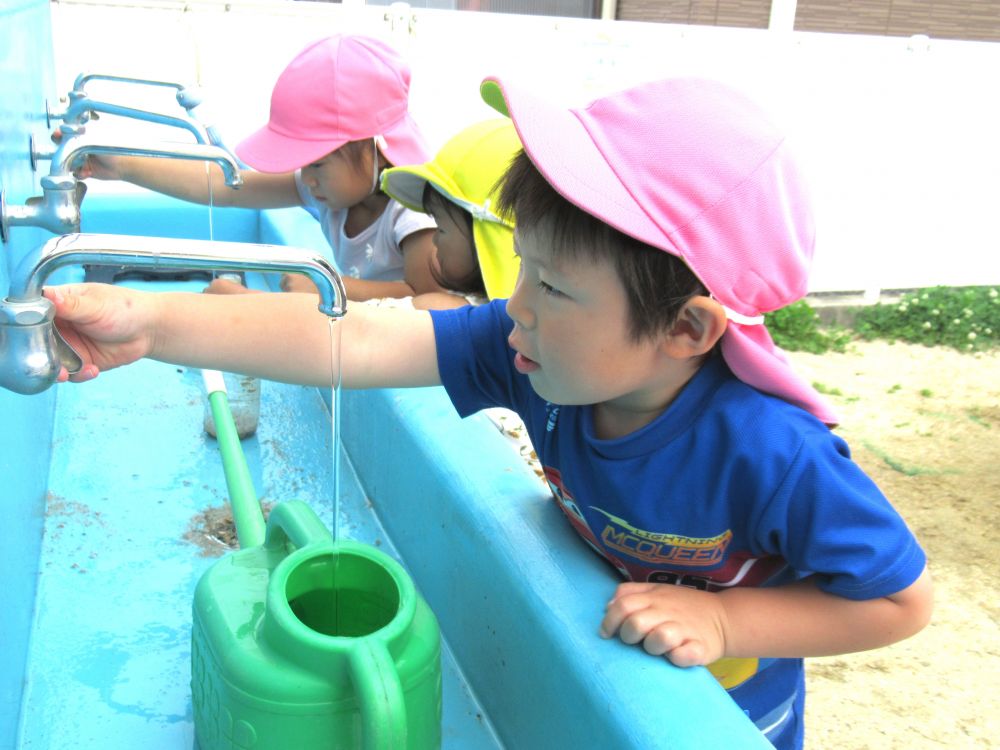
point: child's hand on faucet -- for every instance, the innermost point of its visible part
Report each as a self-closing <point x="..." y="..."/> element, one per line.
<point x="107" y="325"/>
<point x="99" y="166"/>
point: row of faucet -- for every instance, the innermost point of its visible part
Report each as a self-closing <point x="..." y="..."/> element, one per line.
<point x="32" y="352"/>
<point x="58" y="208"/>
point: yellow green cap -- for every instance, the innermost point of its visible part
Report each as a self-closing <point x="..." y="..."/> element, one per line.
<point x="465" y="171"/>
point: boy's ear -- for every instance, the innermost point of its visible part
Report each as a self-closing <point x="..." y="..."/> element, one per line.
<point x="699" y="325"/>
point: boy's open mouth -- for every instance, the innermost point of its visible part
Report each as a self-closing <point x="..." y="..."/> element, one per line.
<point x="525" y="365"/>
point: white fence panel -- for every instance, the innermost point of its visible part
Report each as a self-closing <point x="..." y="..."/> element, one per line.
<point x="900" y="136"/>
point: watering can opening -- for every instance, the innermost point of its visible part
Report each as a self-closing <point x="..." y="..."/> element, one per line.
<point x="337" y="593"/>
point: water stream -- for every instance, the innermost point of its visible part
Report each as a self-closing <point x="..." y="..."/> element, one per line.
<point x="335" y="383"/>
<point x="335" y="375"/>
<point x="335" y="380"/>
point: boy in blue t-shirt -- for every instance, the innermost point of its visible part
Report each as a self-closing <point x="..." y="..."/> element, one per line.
<point x="655" y="227"/>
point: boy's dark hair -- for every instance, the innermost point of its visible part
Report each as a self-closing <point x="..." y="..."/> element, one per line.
<point x="657" y="284"/>
<point x="473" y="282"/>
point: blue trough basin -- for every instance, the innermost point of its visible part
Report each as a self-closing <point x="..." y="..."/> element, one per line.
<point x="519" y="597"/>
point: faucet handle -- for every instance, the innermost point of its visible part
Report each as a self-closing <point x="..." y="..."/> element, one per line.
<point x="68" y="356"/>
<point x="31" y="348"/>
<point x="79" y="192"/>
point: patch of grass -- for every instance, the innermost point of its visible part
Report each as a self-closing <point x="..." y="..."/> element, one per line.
<point x="964" y="318"/>
<point x="796" y="328"/>
<point x="975" y="416"/>
<point x="826" y="390"/>
<point x="892" y="463"/>
<point x="926" y="393"/>
<point x="944" y="416"/>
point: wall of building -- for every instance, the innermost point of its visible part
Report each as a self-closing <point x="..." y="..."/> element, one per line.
<point x="747" y="14"/>
<point x="977" y="20"/>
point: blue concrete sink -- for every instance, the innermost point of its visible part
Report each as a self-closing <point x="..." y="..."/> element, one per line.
<point x="105" y="484"/>
<point x="518" y="595"/>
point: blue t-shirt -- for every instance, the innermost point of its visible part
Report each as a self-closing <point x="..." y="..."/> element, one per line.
<point x="728" y="487"/>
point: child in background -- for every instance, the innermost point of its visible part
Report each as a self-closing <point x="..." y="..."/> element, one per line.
<point x="474" y="256"/>
<point x="655" y="227"/>
<point x="338" y="118"/>
<point x="474" y="248"/>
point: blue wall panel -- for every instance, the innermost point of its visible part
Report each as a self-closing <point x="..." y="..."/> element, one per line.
<point x="25" y="438"/>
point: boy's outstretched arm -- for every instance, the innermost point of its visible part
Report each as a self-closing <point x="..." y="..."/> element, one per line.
<point x="274" y="336"/>
<point x="693" y="627"/>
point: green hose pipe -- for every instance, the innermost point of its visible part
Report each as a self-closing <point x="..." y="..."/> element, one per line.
<point x="247" y="514"/>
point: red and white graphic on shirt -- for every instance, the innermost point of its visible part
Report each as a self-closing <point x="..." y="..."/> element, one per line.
<point x="664" y="557"/>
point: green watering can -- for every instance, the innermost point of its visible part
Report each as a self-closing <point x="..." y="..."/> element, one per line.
<point x="300" y="641"/>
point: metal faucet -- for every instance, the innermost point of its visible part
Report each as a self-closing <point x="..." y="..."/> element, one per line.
<point x="84" y="78"/>
<point x="58" y="209"/>
<point x="74" y="149"/>
<point x="80" y="106"/>
<point x="31" y="348"/>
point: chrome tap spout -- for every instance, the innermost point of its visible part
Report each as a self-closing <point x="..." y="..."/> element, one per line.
<point x="58" y="209"/>
<point x="79" y="104"/>
<point x="31" y="349"/>
<point x="84" y="78"/>
<point x="72" y="150"/>
<point x="81" y="108"/>
<point x="165" y="253"/>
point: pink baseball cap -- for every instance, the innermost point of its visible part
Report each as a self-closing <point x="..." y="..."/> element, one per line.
<point x="694" y="168"/>
<point x="339" y="89"/>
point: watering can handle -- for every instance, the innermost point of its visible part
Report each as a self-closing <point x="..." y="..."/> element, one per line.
<point x="294" y="521"/>
<point x="380" y="694"/>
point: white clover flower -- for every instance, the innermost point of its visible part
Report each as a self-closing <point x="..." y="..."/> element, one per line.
<point x="994" y="294"/>
<point x="927" y="325"/>
<point x="967" y="312"/>
<point x="972" y="335"/>
<point x="925" y="296"/>
<point x="935" y="311"/>
<point x="903" y="307"/>
<point x="988" y="331"/>
<point x="956" y="322"/>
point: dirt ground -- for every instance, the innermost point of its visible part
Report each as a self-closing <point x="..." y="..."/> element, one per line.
<point x="925" y="424"/>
